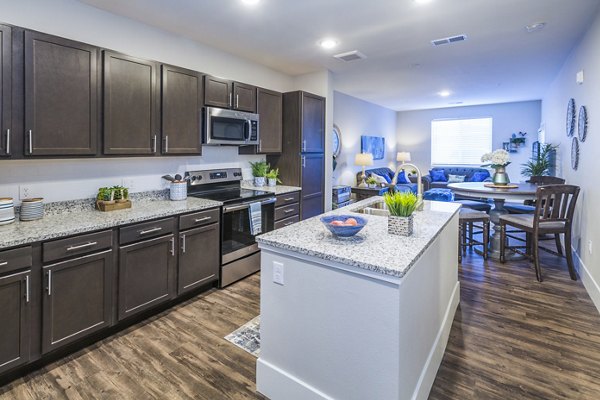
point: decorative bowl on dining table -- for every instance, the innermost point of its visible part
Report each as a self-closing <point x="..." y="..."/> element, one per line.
<point x="344" y="225"/>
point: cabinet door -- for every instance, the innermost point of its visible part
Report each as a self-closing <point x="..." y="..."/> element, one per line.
<point x="269" y="108"/>
<point x="313" y="124"/>
<point x="77" y="299"/>
<point x="5" y="91"/>
<point x="181" y="108"/>
<point x="244" y="97"/>
<point x="217" y="92"/>
<point x="131" y="105"/>
<point x="61" y="89"/>
<point x="14" y="308"/>
<point x="146" y="275"/>
<point x="313" y="169"/>
<point x="199" y="257"/>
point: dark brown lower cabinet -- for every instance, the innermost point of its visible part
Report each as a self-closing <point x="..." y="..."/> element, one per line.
<point x="15" y="320"/>
<point x="199" y="257"/>
<point x="146" y="274"/>
<point x="77" y="299"/>
<point x="313" y="179"/>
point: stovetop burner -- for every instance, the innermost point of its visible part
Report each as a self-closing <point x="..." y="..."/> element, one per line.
<point x="231" y="195"/>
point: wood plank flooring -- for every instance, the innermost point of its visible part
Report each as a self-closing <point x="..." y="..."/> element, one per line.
<point x="512" y="338"/>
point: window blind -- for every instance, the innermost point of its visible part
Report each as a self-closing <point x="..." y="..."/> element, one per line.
<point x="460" y="141"/>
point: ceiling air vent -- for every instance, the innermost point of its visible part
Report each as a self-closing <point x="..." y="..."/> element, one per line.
<point x="350" y="56"/>
<point x="448" y="40"/>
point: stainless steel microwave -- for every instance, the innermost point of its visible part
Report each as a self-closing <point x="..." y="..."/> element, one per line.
<point x="229" y="127"/>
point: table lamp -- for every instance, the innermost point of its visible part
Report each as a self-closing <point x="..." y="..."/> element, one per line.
<point x="403" y="156"/>
<point x="363" y="160"/>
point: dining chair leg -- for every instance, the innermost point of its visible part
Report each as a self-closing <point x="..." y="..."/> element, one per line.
<point x="558" y="245"/>
<point x="460" y="238"/>
<point x="502" y="242"/>
<point x="528" y="244"/>
<point x="569" y="255"/>
<point x="536" y="258"/>
<point x="464" y="237"/>
<point x="486" y="238"/>
<point x="471" y="235"/>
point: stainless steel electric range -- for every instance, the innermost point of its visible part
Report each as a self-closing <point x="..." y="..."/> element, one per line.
<point x="240" y="255"/>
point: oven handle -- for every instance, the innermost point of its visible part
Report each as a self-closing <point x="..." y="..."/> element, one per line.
<point x="242" y="206"/>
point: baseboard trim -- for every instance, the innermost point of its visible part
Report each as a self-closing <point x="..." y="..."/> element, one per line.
<point x="588" y="281"/>
<point x="436" y="353"/>
<point x="283" y="385"/>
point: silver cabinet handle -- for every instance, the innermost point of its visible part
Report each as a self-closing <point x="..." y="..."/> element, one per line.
<point x="198" y="220"/>
<point x="173" y="246"/>
<point x="288" y="224"/>
<point x="49" y="283"/>
<point x="167" y="144"/>
<point x="8" y="141"/>
<point x="303" y="162"/>
<point x="151" y="230"/>
<point x="288" y="199"/>
<point x="154" y="144"/>
<point x="183" y="244"/>
<point x="26" y="288"/>
<point x="288" y="211"/>
<point x="3" y="263"/>
<point x="30" y="142"/>
<point x="229" y="99"/>
<point x="237" y="101"/>
<point x="304" y="145"/>
<point x="81" y="246"/>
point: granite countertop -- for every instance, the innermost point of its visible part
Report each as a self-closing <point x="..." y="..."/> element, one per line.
<point x="372" y="248"/>
<point x="277" y="190"/>
<point x="70" y="218"/>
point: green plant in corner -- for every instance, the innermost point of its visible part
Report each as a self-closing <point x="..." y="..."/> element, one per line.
<point x="400" y="204"/>
<point x="259" y="169"/>
<point x="274" y="174"/>
<point x="539" y="166"/>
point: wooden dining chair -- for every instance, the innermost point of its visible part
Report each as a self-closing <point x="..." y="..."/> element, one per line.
<point x="555" y="206"/>
<point x="528" y="207"/>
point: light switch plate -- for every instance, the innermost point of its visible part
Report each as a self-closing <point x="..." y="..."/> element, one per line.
<point x="278" y="273"/>
<point x="579" y="77"/>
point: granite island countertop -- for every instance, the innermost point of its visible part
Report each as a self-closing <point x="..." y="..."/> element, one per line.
<point x="70" y="218"/>
<point x="372" y="248"/>
<point x="276" y="190"/>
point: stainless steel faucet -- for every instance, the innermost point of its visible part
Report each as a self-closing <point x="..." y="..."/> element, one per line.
<point x="419" y="183"/>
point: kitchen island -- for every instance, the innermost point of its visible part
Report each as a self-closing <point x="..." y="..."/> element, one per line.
<point x="360" y="318"/>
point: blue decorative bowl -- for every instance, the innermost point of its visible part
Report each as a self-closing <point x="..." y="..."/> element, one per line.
<point x="343" y="231"/>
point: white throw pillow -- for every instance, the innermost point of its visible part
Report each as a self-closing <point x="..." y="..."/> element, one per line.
<point x="380" y="179"/>
<point x="456" y="178"/>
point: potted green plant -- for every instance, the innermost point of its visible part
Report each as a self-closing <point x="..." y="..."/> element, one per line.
<point x="539" y="166"/>
<point x="273" y="177"/>
<point x="259" y="172"/>
<point x="498" y="160"/>
<point x="372" y="182"/>
<point x="121" y="194"/>
<point x="401" y="206"/>
<point x="106" y="195"/>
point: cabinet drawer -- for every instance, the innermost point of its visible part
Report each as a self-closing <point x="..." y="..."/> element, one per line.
<point x="14" y="259"/>
<point x="287" y="198"/>
<point x="199" y="219"/>
<point x="146" y="230"/>
<point x="287" y="221"/>
<point x="76" y="246"/>
<point x="286" y="211"/>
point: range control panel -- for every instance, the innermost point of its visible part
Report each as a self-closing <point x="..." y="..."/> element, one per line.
<point x="213" y="176"/>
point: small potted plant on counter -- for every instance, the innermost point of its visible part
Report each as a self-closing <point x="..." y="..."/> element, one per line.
<point x="372" y="182"/>
<point x="113" y="198"/>
<point x="259" y="172"/>
<point x="401" y="206"/>
<point x="106" y="195"/>
<point x="273" y="177"/>
<point x="121" y="194"/>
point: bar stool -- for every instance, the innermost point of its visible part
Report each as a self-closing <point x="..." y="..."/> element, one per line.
<point x="468" y="219"/>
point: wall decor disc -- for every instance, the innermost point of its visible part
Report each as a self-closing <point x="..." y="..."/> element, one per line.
<point x="575" y="153"/>
<point x="582" y="124"/>
<point x="571" y="118"/>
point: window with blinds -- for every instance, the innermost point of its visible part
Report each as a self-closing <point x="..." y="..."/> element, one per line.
<point x="460" y="141"/>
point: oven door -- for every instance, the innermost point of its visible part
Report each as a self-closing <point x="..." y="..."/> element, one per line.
<point x="237" y="240"/>
<point x="230" y="127"/>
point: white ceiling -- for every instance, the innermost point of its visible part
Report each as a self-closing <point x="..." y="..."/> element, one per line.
<point x="499" y="62"/>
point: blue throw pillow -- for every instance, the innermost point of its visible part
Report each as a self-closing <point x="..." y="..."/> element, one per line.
<point x="438" y="175"/>
<point x="480" y="176"/>
<point x="402" y="178"/>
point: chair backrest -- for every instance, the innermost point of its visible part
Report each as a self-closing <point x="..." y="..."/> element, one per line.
<point x="546" y="180"/>
<point x="555" y="203"/>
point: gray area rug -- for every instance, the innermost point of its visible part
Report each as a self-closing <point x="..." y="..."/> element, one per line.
<point x="247" y="337"/>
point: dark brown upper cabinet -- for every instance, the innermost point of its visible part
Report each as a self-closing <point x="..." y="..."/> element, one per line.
<point x="313" y="123"/>
<point x="269" y="106"/>
<point x="228" y="94"/>
<point x="6" y="138"/>
<point x="181" y="111"/>
<point x="131" y="105"/>
<point x="15" y="293"/>
<point x="61" y="96"/>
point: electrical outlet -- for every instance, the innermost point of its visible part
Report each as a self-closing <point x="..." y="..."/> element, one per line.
<point x="129" y="183"/>
<point x="278" y="272"/>
<point x="590" y="246"/>
<point x="25" y="192"/>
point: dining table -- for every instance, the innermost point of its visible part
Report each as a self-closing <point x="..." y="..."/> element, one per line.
<point x="515" y="192"/>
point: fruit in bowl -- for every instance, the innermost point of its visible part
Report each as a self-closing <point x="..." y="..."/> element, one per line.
<point x="344" y="225"/>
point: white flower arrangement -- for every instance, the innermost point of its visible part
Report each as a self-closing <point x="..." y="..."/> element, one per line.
<point x="496" y="159"/>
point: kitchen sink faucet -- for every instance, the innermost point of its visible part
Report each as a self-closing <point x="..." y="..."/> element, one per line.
<point x="401" y="167"/>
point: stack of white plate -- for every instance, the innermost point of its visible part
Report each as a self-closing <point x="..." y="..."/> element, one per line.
<point x="7" y="211"/>
<point x="32" y="209"/>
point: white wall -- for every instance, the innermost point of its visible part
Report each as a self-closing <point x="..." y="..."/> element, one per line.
<point x="554" y="106"/>
<point x="71" y="179"/>
<point x="414" y="130"/>
<point x="356" y="117"/>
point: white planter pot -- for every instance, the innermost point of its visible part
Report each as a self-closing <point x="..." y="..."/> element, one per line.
<point x="259" y="181"/>
<point x="402" y="226"/>
<point x="272" y="181"/>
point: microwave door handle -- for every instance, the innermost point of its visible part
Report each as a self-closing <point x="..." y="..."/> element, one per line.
<point x="247" y="128"/>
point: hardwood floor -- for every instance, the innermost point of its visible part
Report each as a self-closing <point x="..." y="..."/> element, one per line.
<point x="512" y="338"/>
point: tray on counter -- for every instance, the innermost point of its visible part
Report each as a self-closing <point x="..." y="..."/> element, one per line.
<point x="105" y="206"/>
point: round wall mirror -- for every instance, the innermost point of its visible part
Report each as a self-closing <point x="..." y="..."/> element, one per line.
<point x="337" y="141"/>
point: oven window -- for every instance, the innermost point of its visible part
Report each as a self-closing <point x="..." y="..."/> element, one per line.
<point x="227" y="128"/>
<point x="236" y="228"/>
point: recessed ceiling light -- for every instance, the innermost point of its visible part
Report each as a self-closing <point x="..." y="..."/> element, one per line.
<point x="535" y="27"/>
<point x="328" y="43"/>
<point x="444" y="93"/>
<point x="422" y="1"/>
<point x="250" y="2"/>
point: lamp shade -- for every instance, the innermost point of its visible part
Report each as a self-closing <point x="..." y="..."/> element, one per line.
<point x="403" y="156"/>
<point x="363" y="159"/>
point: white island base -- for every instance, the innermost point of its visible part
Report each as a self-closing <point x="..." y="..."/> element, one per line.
<point x="334" y="331"/>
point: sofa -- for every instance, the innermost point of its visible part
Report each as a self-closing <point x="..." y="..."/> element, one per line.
<point x="387" y="172"/>
<point x="467" y="172"/>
